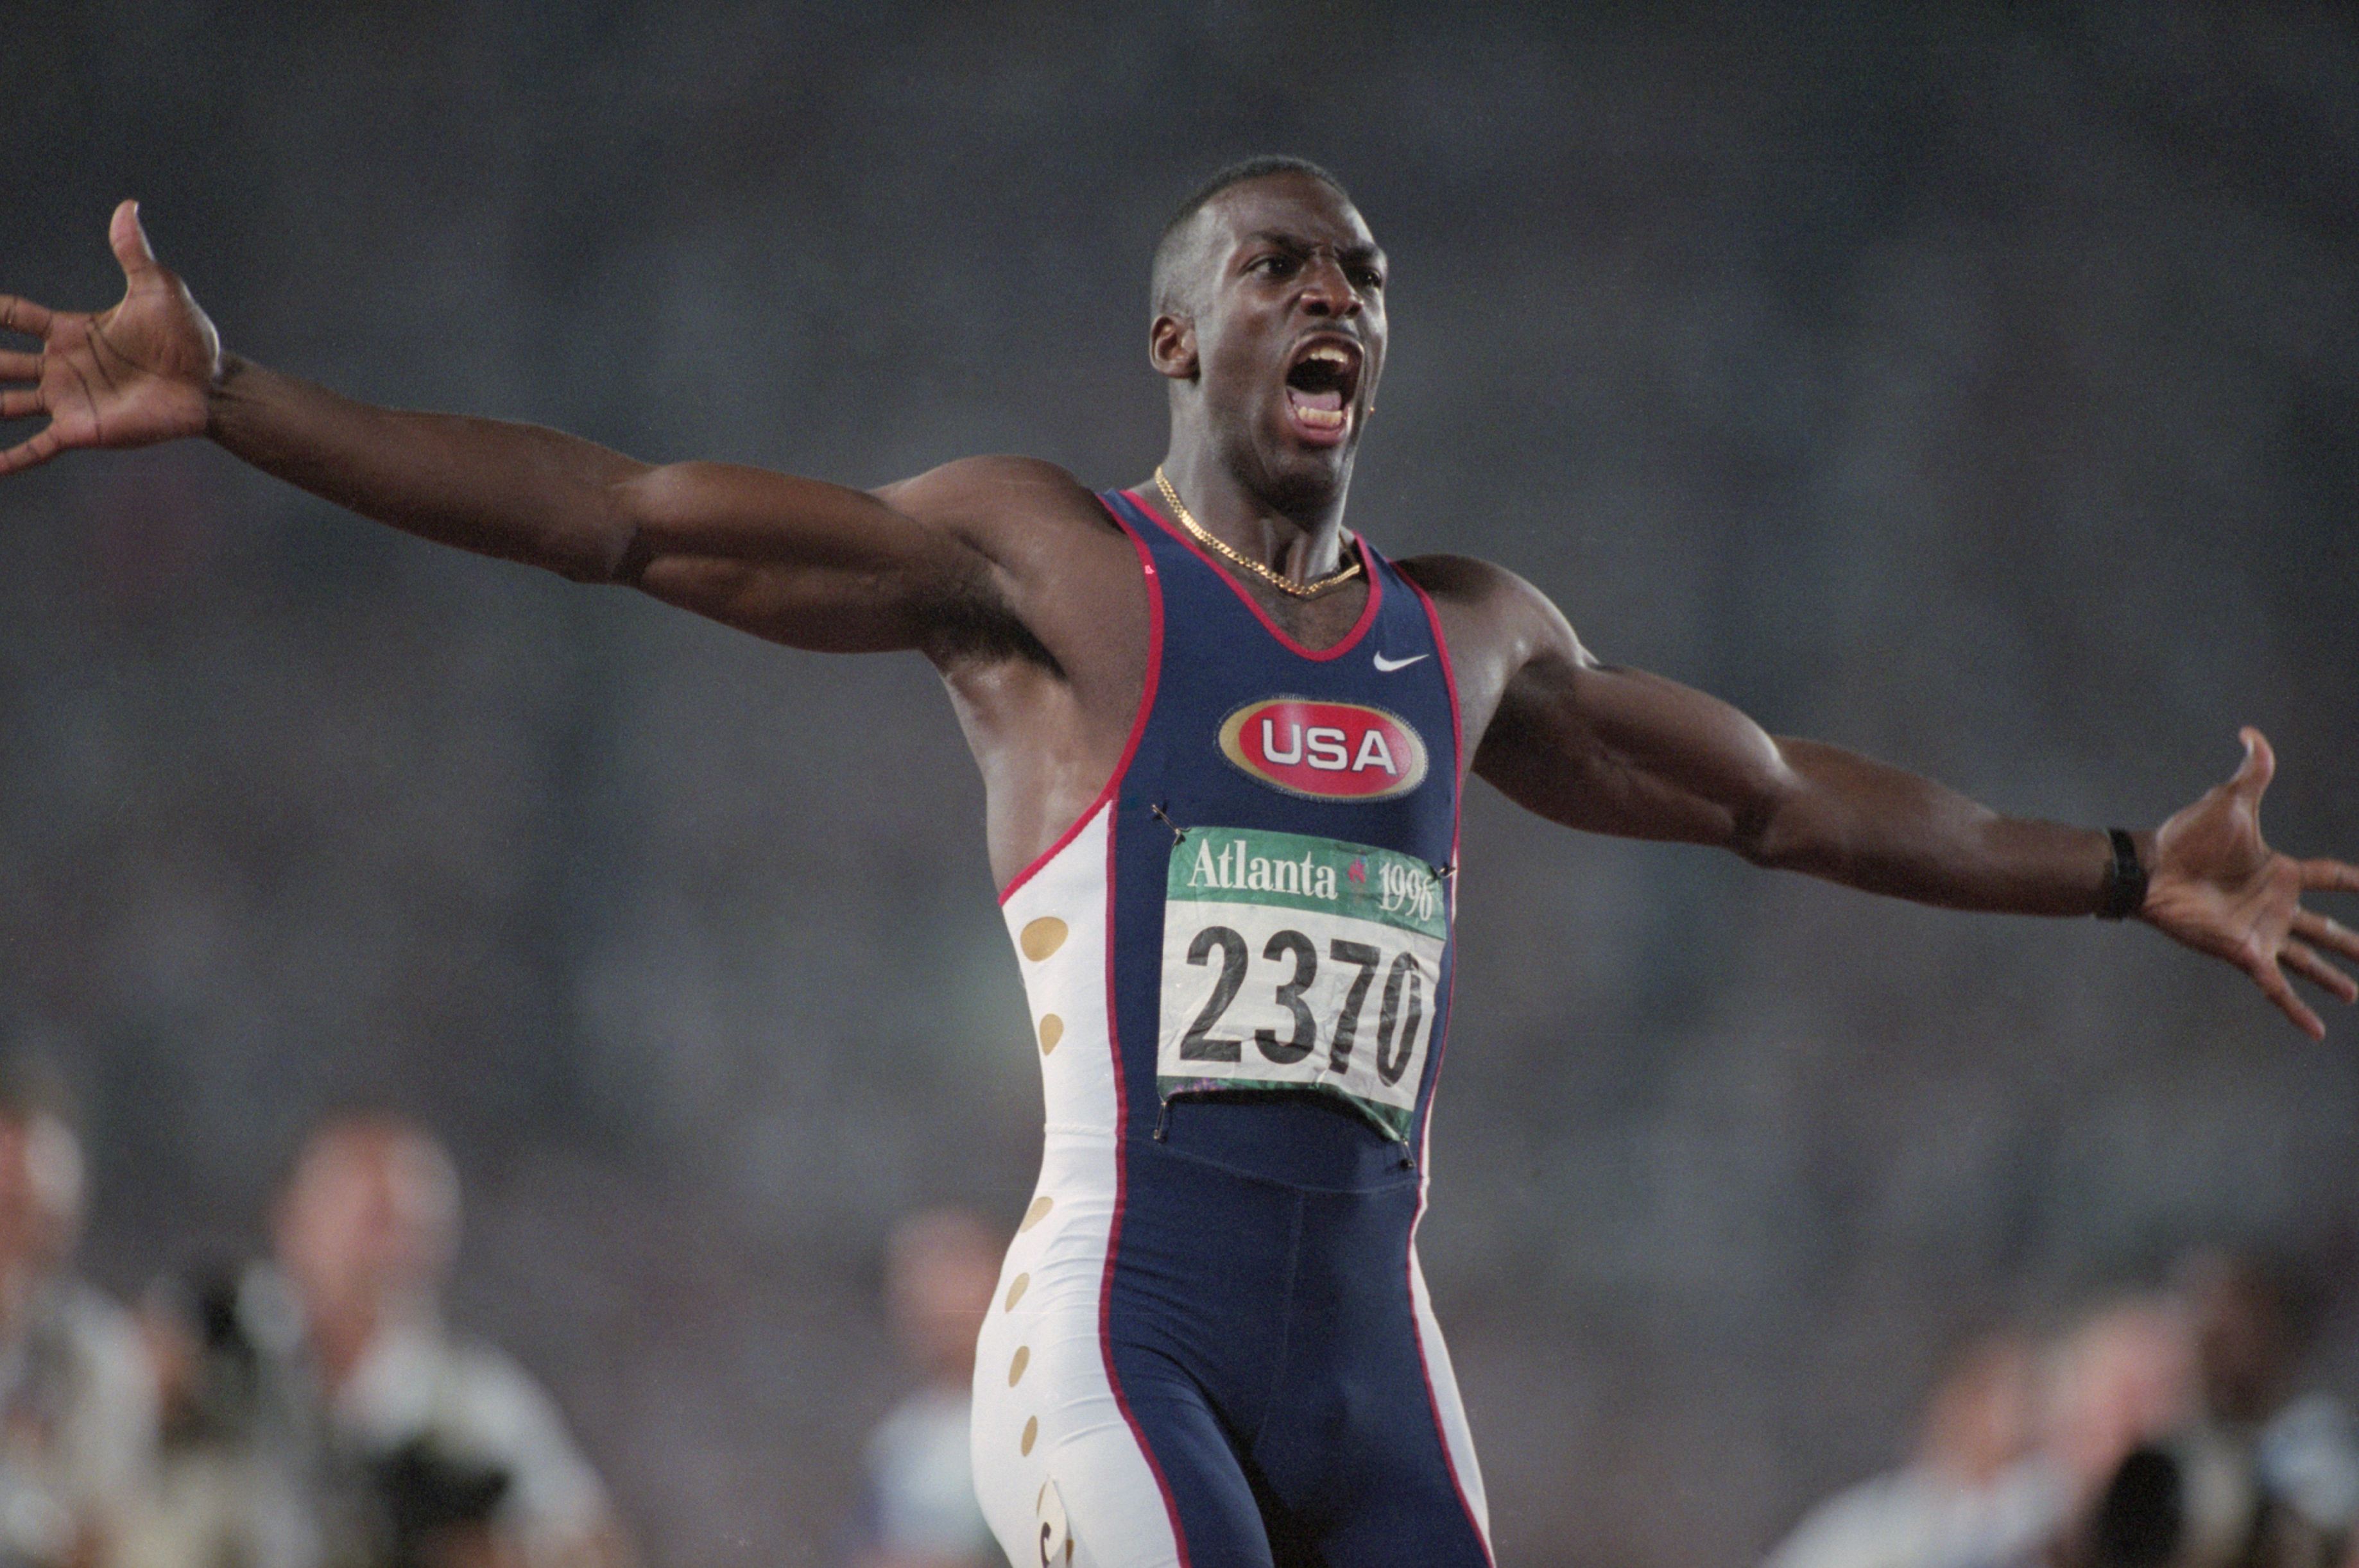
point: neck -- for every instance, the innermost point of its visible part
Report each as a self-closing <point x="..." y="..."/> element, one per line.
<point x="1296" y="530"/>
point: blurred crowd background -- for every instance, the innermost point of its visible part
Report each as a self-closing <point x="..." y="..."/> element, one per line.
<point x="1976" y="386"/>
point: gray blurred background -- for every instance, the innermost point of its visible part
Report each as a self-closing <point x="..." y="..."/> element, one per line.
<point x="1976" y="385"/>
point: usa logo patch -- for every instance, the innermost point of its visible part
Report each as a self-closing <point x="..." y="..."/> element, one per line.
<point x="1324" y="750"/>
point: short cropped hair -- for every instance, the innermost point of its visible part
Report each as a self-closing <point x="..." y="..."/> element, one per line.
<point x="1163" y="280"/>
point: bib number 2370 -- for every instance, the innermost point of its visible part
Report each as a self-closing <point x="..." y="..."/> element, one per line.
<point x="1292" y="962"/>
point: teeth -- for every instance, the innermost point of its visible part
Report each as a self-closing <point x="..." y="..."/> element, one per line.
<point x="1328" y="352"/>
<point x="1321" y="418"/>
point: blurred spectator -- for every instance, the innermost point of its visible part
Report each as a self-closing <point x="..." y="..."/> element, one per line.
<point x="77" y="1399"/>
<point x="2017" y="1447"/>
<point x="2255" y="1476"/>
<point x="2125" y="1377"/>
<point x="918" y="1508"/>
<point x="239" y="1478"/>
<point x="1974" y="1494"/>
<point x="464" y="1459"/>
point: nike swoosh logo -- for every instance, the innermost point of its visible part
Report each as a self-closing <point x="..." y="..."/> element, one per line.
<point x="1387" y="666"/>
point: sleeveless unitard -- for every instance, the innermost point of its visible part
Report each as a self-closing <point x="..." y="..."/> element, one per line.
<point x="1210" y="1342"/>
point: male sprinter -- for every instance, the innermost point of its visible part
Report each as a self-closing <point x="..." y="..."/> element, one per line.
<point x="1222" y="742"/>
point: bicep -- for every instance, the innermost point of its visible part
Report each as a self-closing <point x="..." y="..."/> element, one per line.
<point x="1621" y="752"/>
<point x="799" y="562"/>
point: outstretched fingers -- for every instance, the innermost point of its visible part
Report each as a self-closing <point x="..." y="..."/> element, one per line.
<point x="20" y="402"/>
<point x="2329" y="876"/>
<point x="2316" y="928"/>
<point x="2274" y="985"/>
<point x="2299" y="953"/>
<point x="2304" y="960"/>
<point x="26" y="454"/>
<point x="127" y="377"/>
<point x="22" y="316"/>
<point x="2219" y="888"/>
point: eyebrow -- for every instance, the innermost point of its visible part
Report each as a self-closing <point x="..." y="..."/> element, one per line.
<point x="1355" y="252"/>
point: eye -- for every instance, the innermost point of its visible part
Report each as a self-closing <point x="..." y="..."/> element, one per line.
<point x="1367" y="278"/>
<point x="1278" y="265"/>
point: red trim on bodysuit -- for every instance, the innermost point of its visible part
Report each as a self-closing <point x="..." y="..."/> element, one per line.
<point x="1440" y="1049"/>
<point x="1113" y="1231"/>
<point x="1350" y="638"/>
<point x="1137" y="723"/>
<point x="1114" y="1047"/>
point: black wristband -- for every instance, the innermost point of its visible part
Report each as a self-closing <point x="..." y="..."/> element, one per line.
<point x="2125" y="892"/>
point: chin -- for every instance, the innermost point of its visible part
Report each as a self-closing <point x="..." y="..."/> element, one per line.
<point x="1309" y="477"/>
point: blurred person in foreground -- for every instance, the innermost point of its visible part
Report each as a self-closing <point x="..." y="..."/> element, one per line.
<point x="463" y="1461"/>
<point x="1223" y="740"/>
<point x="240" y="1476"/>
<point x="2016" y="1442"/>
<point x="2124" y="1375"/>
<point x="917" y="1505"/>
<point x="2258" y="1473"/>
<point x="1973" y="1494"/>
<point x="77" y="1394"/>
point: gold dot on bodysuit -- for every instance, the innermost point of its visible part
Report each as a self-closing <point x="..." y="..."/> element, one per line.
<point x="1031" y="1436"/>
<point x="1037" y="1213"/>
<point x="1016" y="1368"/>
<point x="1052" y="1029"/>
<point x="1015" y="1291"/>
<point x="1042" y="937"/>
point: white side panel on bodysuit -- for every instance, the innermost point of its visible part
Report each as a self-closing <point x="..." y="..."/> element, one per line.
<point x="1449" y="1409"/>
<point x="1055" y="1458"/>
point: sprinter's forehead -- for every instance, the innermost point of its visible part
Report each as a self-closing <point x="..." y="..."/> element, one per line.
<point x="1298" y="210"/>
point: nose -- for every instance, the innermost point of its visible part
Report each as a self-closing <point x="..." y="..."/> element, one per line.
<point x="1326" y="288"/>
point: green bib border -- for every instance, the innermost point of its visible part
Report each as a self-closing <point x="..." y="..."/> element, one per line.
<point x="1322" y="876"/>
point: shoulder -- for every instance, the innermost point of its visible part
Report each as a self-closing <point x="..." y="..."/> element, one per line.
<point x="996" y="495"/>
<point x="1468" y="583"/>
<point x="1875" y="1524"/>
<point x="1483" y="604"/>
<point x="1503" y="635"/>
<point x="493" y="1410"/>
<point x="461" y="1389"/>
<point x="1051" y="558"/>
<point x="491" y="1386"/>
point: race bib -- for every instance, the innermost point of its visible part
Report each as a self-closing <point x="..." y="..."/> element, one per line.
<point x="1299" y="962"/>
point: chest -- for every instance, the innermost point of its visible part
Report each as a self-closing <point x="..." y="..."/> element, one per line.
<point x="1353" y="737"/>
<point x="1313" y="624"/>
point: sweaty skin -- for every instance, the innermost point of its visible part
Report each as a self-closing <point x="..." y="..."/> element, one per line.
<point x="1010" y="577"/>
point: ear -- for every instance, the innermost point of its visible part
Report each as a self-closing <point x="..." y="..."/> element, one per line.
<point x="1171" y="347"/>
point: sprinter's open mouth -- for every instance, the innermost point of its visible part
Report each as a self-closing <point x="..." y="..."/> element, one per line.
<point x="1319" y="385"/>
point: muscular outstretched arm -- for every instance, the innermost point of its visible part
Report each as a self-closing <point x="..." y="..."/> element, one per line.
<point x="1620" y="752"/>
<point x="797" y="560"/>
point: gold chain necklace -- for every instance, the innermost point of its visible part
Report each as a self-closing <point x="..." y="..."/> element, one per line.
<point x="1327" y="584"/>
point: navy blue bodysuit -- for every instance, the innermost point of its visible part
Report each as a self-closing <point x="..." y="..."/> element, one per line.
<point x="1211" y="1343"/>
